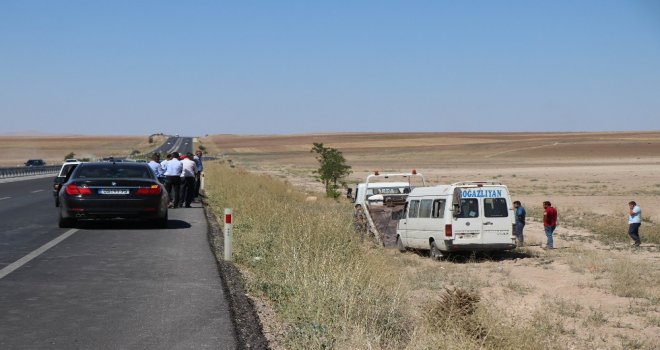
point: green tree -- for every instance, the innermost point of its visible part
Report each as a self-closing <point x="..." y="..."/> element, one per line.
<point x="333" y="168"/>
<point x="70" y="156"/>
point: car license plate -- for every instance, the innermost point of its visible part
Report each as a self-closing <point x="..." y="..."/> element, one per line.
<point x="113" y="191"/>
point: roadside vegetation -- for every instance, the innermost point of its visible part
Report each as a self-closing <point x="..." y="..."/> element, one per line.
<point x="329" y="290"/>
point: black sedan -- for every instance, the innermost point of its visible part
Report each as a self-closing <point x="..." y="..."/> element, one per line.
<point x="111" y="190"/>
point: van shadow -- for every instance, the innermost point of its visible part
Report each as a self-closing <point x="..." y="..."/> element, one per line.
<point x="130" y="225"/>
<point x="481" y="257"/>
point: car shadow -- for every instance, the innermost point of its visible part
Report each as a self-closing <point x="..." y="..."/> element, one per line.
<point x="123" y="224"/>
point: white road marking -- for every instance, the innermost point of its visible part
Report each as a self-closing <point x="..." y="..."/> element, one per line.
<point x="3" y="198"/>
<point x="35" y="191"/>
<point x="24" y="260"/>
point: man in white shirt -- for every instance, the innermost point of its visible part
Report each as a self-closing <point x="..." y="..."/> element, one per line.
<point x="634" y="221"/>
<point x="173" y="170"/>
<point x="188" y="176"/>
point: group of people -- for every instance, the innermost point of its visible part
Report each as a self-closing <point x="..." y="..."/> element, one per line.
<point x="181" y="175"/>
<point x="550" y="222"/>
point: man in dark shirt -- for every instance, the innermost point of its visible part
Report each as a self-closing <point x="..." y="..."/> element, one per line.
<point x="520" y="222"/>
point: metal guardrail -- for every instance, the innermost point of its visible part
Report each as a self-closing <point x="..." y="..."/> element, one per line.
<point x="28" y="171"/>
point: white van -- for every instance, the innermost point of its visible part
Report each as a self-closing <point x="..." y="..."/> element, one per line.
<point x="465" y="216"/>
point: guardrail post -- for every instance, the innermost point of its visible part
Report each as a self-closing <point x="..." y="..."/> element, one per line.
<point x="228" y="233"/>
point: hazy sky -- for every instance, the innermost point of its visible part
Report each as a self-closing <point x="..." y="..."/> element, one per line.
<point x="278" y="67"/>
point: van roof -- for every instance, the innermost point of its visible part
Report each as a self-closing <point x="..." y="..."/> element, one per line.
<point x="448" y="190"/>
<point x="386" y="184"/>
<point x="439" y="190"/>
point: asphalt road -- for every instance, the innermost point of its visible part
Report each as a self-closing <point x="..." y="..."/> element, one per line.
<point x="181" y="144"/>
<point x="119" y="285"/>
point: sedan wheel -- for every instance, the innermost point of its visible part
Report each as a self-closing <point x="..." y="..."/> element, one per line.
<point x="66" y="222"/>
<point x="162" y="222"/>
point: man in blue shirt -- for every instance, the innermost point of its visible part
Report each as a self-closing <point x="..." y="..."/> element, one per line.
<point x="154" y="164"/>
<point x="520" y="222"/>
<point x="634" y="221"/>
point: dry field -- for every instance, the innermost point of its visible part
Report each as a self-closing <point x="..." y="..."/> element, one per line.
<point x="16" y="150"/>
<point x="594" y="289"/>
<point x="599" y="172"/>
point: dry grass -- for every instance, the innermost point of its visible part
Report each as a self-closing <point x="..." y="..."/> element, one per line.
<point x="627" y="277"/>
<point x="609" y="228"/>
<point x="303" y="259"/>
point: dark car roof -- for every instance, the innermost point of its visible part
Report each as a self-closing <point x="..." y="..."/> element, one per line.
<point x="113" y="170"/>
<point x="35" y="161"/>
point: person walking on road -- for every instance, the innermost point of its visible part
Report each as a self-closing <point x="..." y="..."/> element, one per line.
<point x="173" y="169"/>
<point x="520" y="222"/>
<point x="634" y="221"/>
<point x="188" y="177"/>
<point x="549" y="222"/>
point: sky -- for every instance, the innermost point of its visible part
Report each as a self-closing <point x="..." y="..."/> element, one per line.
<point x="116" y="67"/>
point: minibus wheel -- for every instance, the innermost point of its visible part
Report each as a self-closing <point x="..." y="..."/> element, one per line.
<point x="435" y="253"/>
<point x="399" y="245"/>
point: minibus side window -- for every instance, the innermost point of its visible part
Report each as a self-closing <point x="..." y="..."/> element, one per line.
<point x="438" y="208"/>
<point x="425" y="208"/>
<point x="496" y="208"/>
<point x="469" y="208"/>
<point x="414" y="209"/>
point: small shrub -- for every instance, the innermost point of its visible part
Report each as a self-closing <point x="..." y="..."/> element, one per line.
<point x="456" y="308"/>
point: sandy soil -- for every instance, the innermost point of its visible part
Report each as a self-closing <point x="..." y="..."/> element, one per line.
<point x="590" y="172"/>
<point x="16" y="150"/>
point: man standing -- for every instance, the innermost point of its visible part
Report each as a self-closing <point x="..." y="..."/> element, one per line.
<point x="154" y="164"/>
<point x="520" y="222"/>
<point x="173" y="169"/>
<point x="198" y="174"/>
<point x="188" y="177"/>
<point x="634" y="221"/>
<point x="549" y="222"/>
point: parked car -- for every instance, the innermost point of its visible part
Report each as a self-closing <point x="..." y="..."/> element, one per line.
<point x="62" y="177"/>
<point x="35" y="162"/>
<point x="107" y="191"/>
